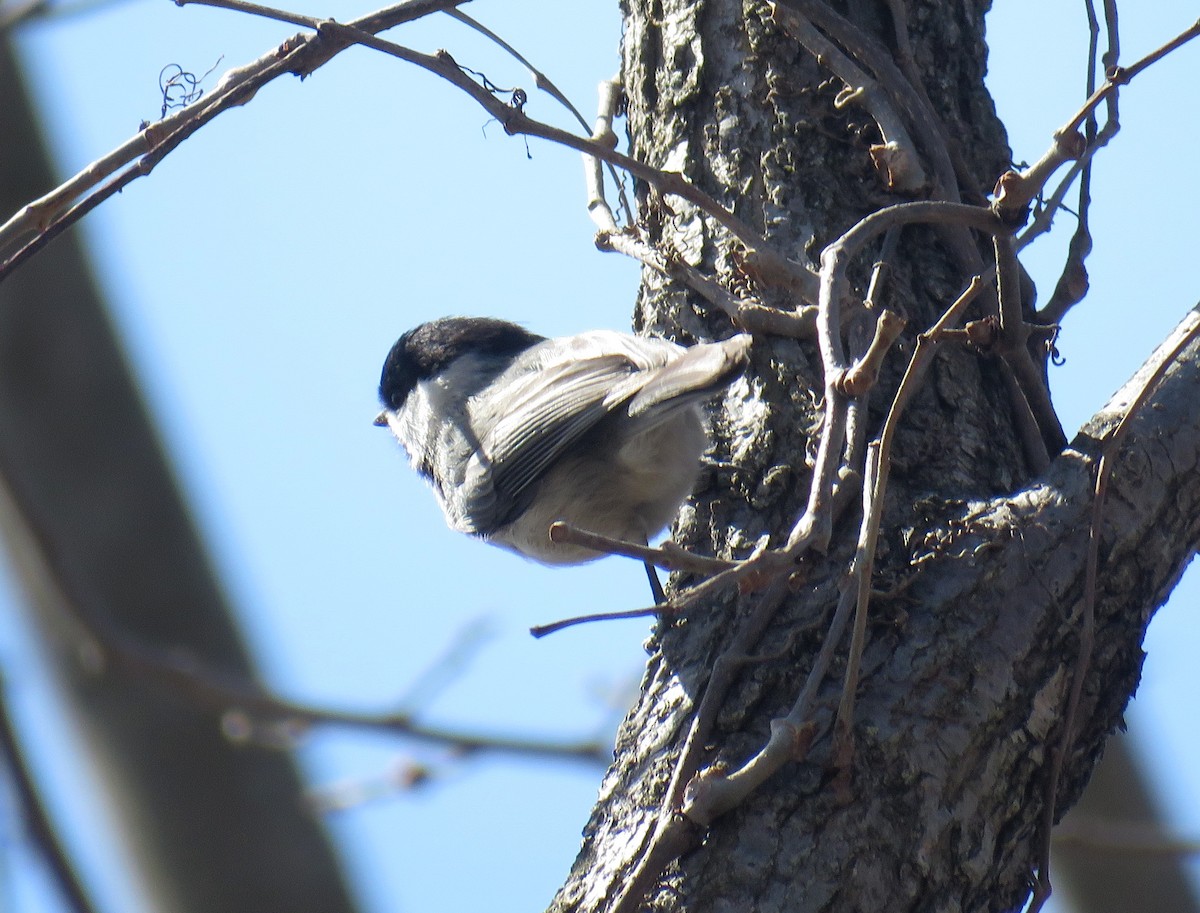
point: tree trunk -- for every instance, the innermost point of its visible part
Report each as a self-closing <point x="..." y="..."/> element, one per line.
<point x="970" y="656"/>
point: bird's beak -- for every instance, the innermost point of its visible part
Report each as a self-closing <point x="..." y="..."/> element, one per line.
<point x="381" y="420"/>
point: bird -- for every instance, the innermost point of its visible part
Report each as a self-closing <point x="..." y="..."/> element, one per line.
<point x="515" y="431"/>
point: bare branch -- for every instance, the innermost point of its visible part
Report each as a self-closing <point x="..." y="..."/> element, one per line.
<point x="670" y="559"/>
<point x="542" y="82"/>
<point x="45" y="218"/>
<point x="882" y="264"/>
<point x="748" y="314"/>
<point x="516" y="122"/>
<point x="814" y="526"/>
<point x="903" y="86"/>
<point x="1014" y="190"/>
<point x="875" y="479"/>
<point x="951" y="171"/>
<point x="602" y="132"/>
<point x="675" y="833"/>
<point x="562" y="624"/>
<point x="714" y="793"/>
<point x="1073" y="282"/>
<point x="836" y="257"/>
<point x="1186" y="333"/>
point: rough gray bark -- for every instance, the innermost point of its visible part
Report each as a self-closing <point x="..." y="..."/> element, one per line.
<point x="967" y="666"/>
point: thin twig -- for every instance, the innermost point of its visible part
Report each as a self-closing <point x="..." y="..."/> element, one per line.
<point x="556" y="626"/>
<point x="861" y="572"/>
<point x="49" y="215"/>
<point x="814" y="526"/>
<point x="715" y="791"/>
<point x="878" y="467"/>
<point x="881" y="266"/>
<point x="696" y="797"/>
<point x="836" y="257"/>
<point x="1015" y="189"/>
<point x="952" y="171"/>
<point x="1041" y="432"/>
<point x="545" y="84"/>
<point x="1073" y="282"/>
<point x="540" y="80"/>
<point x="864" y="373"/>
<point x="45" y="218"/>
<point x="1087" y="630"/>
<point x="746" y="313"/>
<point x="446" y="668"/>
<point x="207" y="687"/>
<point x="670" y="559"/>
<point x="951" y="174"/>
<point x="673" y="832"/>
<point x="602" y="132"/>
<point x="516" y="122"/>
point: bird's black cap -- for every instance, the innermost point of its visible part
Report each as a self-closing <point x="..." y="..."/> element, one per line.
<point x="424" y="351"/>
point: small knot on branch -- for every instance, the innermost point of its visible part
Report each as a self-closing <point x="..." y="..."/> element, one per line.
<point x="864" y="373"/>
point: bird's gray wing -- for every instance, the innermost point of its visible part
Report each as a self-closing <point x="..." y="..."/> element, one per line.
<point x="695" y="375"/>
<point x="540" y="416"/>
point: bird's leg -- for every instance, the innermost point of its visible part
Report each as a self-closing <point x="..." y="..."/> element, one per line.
<point x="656" y="587"/>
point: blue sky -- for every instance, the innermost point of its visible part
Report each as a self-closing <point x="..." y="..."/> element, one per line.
<point x="297" y="237"/>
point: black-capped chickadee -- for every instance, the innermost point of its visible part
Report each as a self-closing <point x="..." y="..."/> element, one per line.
<point x="516" y="431"/>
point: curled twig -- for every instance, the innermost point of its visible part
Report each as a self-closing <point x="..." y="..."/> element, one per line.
<point x="542" y="82"/>
<point x="814" y="526"/>
<point x="717" y="792"/>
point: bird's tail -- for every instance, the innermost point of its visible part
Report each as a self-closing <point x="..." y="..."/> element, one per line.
<point x="695" y="375"/>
